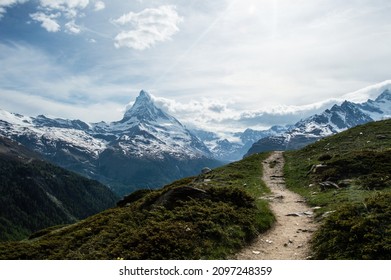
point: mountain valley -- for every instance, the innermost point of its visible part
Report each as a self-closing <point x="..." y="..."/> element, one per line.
<point x="35" y="194"/>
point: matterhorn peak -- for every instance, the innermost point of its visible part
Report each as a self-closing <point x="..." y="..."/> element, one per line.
<point x="142" y="107"/>
<point x="144" y="96"/>
<point x="145" y="110"/>
<point x="143" y="99"/>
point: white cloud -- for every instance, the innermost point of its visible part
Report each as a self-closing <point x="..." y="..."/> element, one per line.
<point x="69" y="8"/>
<point x="221" y="116"/>
<point x="2" y="12"/>
<point x="263" y="53"/>
<point x="369" y="92"/>
<point x="47" y="21"/>
<point x="277" y="55"/>
<point x="62" y="10"/>
<point x="52" y="89"/>
<point x="147" y="27"/>
<point x="8" y="3"/>
<point x="72" y="27"/>
<point x="64" y="4"/>
<point x="99" y="5"/>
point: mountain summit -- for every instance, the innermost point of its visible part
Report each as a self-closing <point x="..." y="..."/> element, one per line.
<point x="145" y="110"/>
<point x="384" y="97"/>
<point x="148" y="131"/>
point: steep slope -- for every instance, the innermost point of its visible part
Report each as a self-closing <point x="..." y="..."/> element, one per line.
<point x="63" y="142"/>
<point x="205" y="217"/>
<point x="347" y="177"/>
<point x="35" y="194"/>
<point x="147" y="148"/>
<point x="331" y="121"/>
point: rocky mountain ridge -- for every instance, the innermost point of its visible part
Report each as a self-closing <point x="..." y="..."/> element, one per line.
<point x="238" y="144"/>
<point x="334" y="120"/>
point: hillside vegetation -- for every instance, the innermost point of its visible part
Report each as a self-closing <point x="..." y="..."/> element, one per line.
<point x="349" y="176"/>
<point x="35" y="194"/>
<point x="205" y="217"/>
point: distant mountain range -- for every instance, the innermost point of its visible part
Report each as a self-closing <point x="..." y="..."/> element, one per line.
<point x="331" y="121"/>
<point x="35" y="194"/>
<point x="232" y="150"/>
<point x="147" y="148"/>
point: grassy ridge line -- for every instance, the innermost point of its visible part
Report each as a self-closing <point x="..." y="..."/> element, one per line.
<point x="358" y="222"/>
<point x="215" y="227"/>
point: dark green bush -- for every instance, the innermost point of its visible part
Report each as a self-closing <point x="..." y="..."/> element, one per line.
<point x="233" y="195"/>
<point x="375" y="181"/>
<point x="325" y="157"/>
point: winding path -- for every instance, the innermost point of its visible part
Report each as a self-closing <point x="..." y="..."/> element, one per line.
<point x="289" y="238"/>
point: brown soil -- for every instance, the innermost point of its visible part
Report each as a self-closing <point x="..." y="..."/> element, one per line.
<point x="291" y="233"/>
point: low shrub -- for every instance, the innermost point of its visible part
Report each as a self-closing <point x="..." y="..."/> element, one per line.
<point x="357" y="231"/>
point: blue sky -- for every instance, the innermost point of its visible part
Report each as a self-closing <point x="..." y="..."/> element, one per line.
<point x="222" y="65"/>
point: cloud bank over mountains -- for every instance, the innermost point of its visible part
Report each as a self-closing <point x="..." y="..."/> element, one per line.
<point x="222" y="64"/>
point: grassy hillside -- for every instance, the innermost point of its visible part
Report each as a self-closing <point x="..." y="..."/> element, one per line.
<point x="35" y="194"/>
<point x="205" y="217"/>
<point x="349" y="176"/>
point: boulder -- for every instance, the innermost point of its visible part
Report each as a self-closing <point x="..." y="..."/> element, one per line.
<point x="317" y="168"/>
<point x="345" y="183"/>
<point x="381" y="136"/>
<point x="129" y="199"/>
<point x="172" y="198"/>
<point x="206" y="170"/>
<point x="328" y="185"/>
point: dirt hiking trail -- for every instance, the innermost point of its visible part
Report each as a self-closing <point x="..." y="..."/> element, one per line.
<point x="289" y="237"/>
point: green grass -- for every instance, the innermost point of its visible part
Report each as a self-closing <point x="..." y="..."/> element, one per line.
<point x="213" y="227"/>
<point x="359" y="161"/>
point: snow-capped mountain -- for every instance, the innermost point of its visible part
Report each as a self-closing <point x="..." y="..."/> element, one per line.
<point x="331" y="121"/>
<point x="238" y="143"/>
<point x="147" y="148"/>
<point x="380" y="108"/>
<point x="147" y="131"/>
